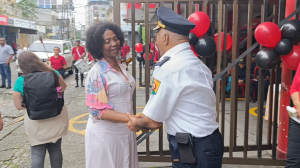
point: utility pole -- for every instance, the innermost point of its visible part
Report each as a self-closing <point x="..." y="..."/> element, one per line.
<point x="68" y="21"/>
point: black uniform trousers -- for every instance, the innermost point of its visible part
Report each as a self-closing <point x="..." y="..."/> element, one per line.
<point x="208" y="151"/>
<point x="76" y="73"/>
<point x="293" y="151"/>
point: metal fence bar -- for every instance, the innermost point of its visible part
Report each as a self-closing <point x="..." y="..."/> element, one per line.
<point x="297" y="4"/>
<point x="271" y="92"/>
<point x="190" y="7"/>
<point x="261" y="82"/>
<point x="233" y="78"/>
<point x="253" y="47"/>
<point x="204" y="6"/>
<point x="237" y="89"/>
<point x="133" y="53"/>
<point x="248" y="74"/>
<point x="147" y="71"/>
<point x="116" y="12"/>
<point x="220" y="8"/>
<point x="225" y="22"/>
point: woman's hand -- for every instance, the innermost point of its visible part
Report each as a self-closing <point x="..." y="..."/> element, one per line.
<point x="298" y="114"/>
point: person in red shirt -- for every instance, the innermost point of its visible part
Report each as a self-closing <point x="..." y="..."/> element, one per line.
<point x="156" y="57"/>
<point x="78" y="53"/>
<point x="152" y="45"/>
<point x="293" y="149"/>
<point x="125" y="51"/>
<point x="59" y="62"/>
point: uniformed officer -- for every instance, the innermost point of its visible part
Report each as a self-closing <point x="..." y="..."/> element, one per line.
<point x="182" y="98"/>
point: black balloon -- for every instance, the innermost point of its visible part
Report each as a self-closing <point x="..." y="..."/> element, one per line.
<point x="291" y="31"/>
<point x="139" y="57"/>
<point x="267" y="58"/>
<point x="284" y="47"/>
<point x="193" y="38"/>
<point x="205" y="46"/>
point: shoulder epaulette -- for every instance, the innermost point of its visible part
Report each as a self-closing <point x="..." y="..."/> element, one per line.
<point x="163" y="61"/>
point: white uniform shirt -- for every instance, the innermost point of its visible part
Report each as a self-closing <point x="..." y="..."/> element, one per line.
<point x="182" y="96"/>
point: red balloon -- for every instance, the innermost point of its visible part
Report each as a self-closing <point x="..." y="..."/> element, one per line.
<point x="267" y="34"/>
<point x="228" y="41"/>
<point x="139" y="47"/>
<point x="150" y="56"/>
<point x="202" y="22"/>
<point x="293" y="58"/>
<point x="192" y="48"/>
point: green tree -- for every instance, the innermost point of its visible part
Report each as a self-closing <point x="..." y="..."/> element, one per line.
<point x="28" y="7"/>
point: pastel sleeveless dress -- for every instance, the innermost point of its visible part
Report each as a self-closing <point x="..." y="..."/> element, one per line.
<point x="108" y="144"/>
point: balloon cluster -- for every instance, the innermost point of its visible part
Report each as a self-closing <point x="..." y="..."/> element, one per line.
<point x="201" y="44"/>
<point x="140" y="49"/>
<point x="278" y="42"/>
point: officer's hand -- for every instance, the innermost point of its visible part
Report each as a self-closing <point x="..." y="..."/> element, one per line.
<point x="1" y="123"/>
<point x="132" y="123"/>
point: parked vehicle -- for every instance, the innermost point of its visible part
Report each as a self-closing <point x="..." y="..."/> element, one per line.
<point x="38" y="49"/>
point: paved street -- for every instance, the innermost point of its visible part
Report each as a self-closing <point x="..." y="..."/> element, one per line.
<point x="14" y="148"/>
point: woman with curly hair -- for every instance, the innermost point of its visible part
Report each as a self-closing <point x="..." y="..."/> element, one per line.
<point x="109" y="90"/>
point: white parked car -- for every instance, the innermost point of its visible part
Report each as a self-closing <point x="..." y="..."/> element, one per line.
<point x="38" y="49"/>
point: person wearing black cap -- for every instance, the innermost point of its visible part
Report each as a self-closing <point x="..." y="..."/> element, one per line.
<point x="182" y="98"/>
<point x="78" y="52"/>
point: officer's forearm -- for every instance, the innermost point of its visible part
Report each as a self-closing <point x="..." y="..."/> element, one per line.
<point x="143" y="122"/>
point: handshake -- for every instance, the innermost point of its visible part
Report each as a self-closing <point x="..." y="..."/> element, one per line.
<point x="141" y="122"/>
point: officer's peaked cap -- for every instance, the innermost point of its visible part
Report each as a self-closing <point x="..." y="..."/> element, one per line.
<point x="173" y="22"/>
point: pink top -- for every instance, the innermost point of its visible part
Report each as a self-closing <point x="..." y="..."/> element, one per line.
<point x="296" y="82"/>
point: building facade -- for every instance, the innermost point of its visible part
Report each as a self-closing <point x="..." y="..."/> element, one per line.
<point x="96" y="11"/>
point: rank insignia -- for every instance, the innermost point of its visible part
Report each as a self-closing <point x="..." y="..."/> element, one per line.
<point x="155" y="86"/>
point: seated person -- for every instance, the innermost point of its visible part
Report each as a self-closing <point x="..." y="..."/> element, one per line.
<point x="253" y="65"/>
<point x="228" y="75"/>
<point x="242" y="77"/>
<point x="242" y="72"/>
<point x="266" y="77"/>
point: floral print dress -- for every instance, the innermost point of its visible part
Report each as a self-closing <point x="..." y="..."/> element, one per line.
<point x="109" y="144"/>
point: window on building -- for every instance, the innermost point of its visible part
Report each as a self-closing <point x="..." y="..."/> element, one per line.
<point x="41" y="3"/>
<point x="103" y="9"/>
<point x="103" y="15"/>
<point x="47" y="4"/>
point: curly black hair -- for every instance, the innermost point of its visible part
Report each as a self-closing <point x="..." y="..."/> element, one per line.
<point x="94" y="37"/>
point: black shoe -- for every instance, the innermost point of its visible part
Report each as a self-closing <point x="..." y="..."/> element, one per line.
<point x="8" y="87"/>
<point x="76" y="86"/>
<point x="2" y="86"/>
<point x="82" y="85"/>
<point x="251" y="100"/>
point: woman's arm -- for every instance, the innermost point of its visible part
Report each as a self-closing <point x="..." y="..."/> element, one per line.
<point x="65" y="66"/>
<point x="18" y="99"/>
<point x="115" y="116"/>
<point x="62" y="83"/>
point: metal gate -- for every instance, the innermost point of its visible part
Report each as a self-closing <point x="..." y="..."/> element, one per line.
<point x="218" y="10"/>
